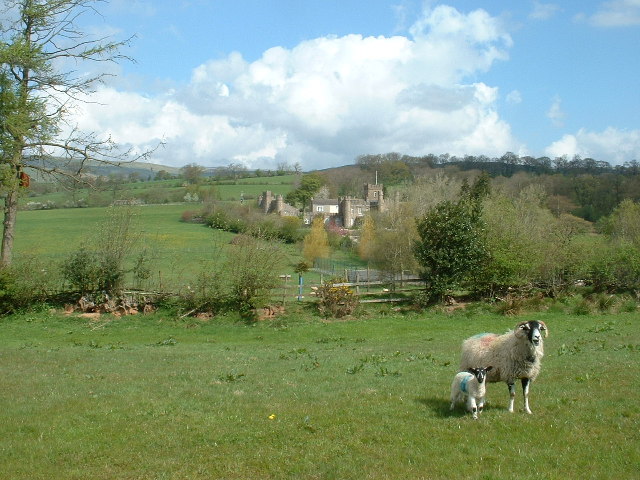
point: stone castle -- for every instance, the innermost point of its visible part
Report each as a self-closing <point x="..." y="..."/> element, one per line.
<point x="344" y="211"/>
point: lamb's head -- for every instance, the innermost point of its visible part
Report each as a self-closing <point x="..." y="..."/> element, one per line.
<point x="480" y="373"/>
<point x="532" y="330"/>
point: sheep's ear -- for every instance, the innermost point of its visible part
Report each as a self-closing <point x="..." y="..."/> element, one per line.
<point x="522" y="326"/>
<point x="488" y="368"/>
<point x="544" y="328"/>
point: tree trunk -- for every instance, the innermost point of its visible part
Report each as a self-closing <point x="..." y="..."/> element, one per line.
<point x="9" y="224"/>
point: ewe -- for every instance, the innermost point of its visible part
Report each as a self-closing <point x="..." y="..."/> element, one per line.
<point x="513" y="355"/>
<point x="469" y="387"/>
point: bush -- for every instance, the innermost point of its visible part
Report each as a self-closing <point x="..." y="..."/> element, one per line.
<point x="24" y="285"/>
<point x="336" y="300"/>
<point x="251" y="272"/>
<point x="248" y="220"/>
<point x="99" y="265"/>
<point x="616" y="269"/>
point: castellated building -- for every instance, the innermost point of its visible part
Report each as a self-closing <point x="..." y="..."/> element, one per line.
<point x="270" y="203"/>
<point x="344" y="211"/>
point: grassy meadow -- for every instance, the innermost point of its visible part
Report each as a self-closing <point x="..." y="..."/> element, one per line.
<point x="152" y="397"/>
<point x="177" y="250"/>
<point x="226" y="190"/>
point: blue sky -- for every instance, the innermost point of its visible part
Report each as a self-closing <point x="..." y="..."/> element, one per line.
<point x="318" y="82"/>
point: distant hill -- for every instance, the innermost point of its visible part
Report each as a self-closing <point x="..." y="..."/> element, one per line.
<point x="143" y="169"/>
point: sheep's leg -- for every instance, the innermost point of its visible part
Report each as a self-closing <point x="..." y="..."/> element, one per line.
<point x="525" y="391"/>
<point x="454" y="399"/>
<point x="472" y="406"/>
<point x="512" y="395"/>
<point x="480" y="405"/>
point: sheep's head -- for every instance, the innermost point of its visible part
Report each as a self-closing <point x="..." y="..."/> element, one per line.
<point x="533" y="330"/>
<point x="480" y="373"/>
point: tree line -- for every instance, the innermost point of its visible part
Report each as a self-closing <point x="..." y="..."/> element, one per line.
<point x="584" y="187"/>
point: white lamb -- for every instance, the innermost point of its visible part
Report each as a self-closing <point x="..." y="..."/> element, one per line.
<point x="469" y="387"/>
<point x="513" y="355"/>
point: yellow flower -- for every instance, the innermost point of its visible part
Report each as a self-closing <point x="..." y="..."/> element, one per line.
<point x="272" y="416"/>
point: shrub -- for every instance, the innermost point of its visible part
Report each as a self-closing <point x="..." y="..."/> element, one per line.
<point x="98" y="266"/>
<point x="290" y="229"/>
<point x="24" y="285"/>
<point x="616" y="269"/>
<point x="80" y="269"/>
<point x="336" y="300"/>
<point x="251" y="272"/>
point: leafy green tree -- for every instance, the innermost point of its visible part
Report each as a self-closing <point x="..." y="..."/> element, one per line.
<point x="309" y="185"/>
<point x="192" y="173"/>
<point x="163" y="175"/>
<point x="37" y="38"/>
<point x="623" y="223"/>
<point x="451" y="245"/>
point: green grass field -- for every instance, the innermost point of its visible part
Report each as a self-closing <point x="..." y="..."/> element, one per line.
<point x="177" y="250"/>
<point x="153" y="397"/>
<point x="227" y="190"/>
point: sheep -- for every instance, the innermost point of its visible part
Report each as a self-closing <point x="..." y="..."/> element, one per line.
<point x="513" y="355"/>
<point x="470" y="386"/>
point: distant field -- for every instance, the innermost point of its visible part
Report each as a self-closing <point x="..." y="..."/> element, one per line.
<point x="299" y="398"/>
<point x="177" y="249"/>
<point x="225" y="189"/>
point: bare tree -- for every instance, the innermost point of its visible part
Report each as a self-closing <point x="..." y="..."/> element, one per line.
<point x="37" y="37"/>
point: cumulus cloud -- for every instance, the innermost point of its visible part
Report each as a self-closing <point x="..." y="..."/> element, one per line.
<point x="615" y="13"/>
<point x="612" y="145"/>
<point x="327" y="100"/>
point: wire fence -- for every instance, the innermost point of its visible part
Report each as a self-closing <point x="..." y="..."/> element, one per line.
<point x="360" y="274"/>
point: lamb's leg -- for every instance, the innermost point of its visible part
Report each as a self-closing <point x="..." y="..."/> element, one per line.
<point x="472" y="406"/>
<point x="525" y="391"/>
<point x="512" y="395"/>
<point x="480" y="405"/>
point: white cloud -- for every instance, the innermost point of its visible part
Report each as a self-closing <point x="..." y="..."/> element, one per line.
<point x="611" y="145"/>
<point x="615" y="13"/>
<point x="514" y="97"/>
<point x="327" y="100"/>
<point x="543" y="11"/>
<point x="555" y="113"/>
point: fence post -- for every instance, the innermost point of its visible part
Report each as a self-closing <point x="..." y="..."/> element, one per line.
<point x="300" y="282"/>
<point x="368" y="279"/>
<point x="357" y="282"/>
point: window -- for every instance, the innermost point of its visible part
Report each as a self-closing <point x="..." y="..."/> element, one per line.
<point x="319" y="208"/>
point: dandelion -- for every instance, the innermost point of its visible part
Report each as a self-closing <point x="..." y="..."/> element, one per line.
<point x="272" y="416"/>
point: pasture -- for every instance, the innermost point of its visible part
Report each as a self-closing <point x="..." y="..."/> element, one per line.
<point x="154" y="397"/>
<point x="177" y="251"/>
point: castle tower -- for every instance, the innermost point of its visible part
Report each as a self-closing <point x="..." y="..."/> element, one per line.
<point x="267" y="198"/>
<point x="347" y="214"/>
<point x="279" y="204"/>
